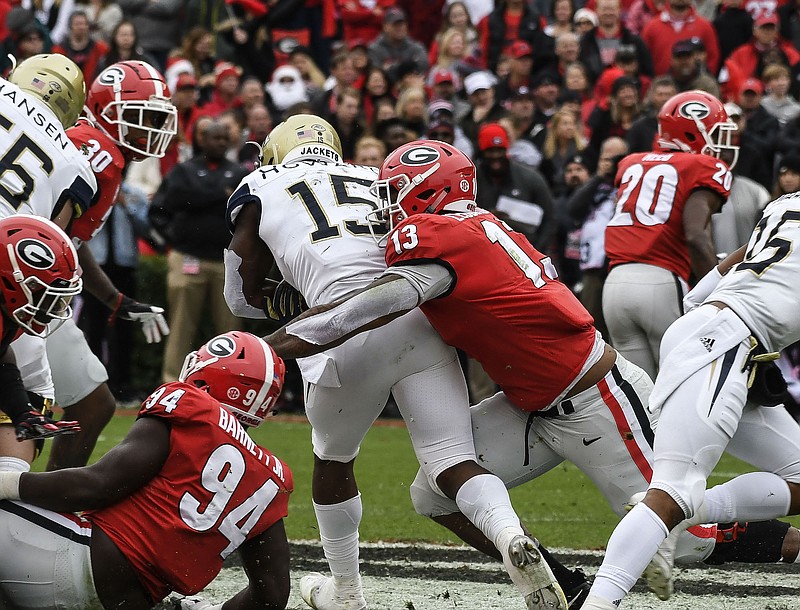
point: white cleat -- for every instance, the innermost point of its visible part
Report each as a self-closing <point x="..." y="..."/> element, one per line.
<point x="597" y="603"/>
<point x="659" y="573"/>
<point x="533" y="576"/>
<point x="318" y="591"/>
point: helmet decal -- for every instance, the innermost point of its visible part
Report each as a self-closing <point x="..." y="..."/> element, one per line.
<point x="222" y="346"/>
<point x="35" y="254"/>
<point x="234" y="393"/>
<point x="112" y="75"/>
<point x="419" y="155"/>
<point x="694" y="110"/>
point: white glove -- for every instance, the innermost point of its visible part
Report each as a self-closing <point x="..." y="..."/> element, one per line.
<point x="154" y="325"/>
<point x="702" y="290"/>
<point x="193" y="603"/>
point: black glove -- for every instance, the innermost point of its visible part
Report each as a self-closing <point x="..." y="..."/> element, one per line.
<point x="154" y="325"/>
<point x="285" y="304"/>
<point x="33" y="425"/>
<point x="765" y="383"/>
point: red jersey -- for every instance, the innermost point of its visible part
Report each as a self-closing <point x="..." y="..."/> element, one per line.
<point x="107" y="163"/>
<point x="216" y="489"/>
<point x="647" y="226"/>
<point x="505" y="309"/>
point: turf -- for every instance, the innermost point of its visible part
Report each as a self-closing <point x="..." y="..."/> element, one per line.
<point x="562" y="508"/>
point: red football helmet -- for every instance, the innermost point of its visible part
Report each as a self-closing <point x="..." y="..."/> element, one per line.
<point x="38" y="273"/>
<point x="696" y="122"/>
<point x="131" y="102"/>
<point x="424" y="177"/>
<point x="239" y="370"/>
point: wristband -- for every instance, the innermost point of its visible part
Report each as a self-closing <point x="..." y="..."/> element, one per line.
<point x="9" y="485"/>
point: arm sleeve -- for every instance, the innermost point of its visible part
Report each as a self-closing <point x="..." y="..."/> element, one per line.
<point x="430" y="280"/>
<point x="233" y="291"/>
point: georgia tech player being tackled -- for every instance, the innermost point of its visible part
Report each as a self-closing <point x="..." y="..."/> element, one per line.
<point x="565" y="393"/>
<point x="184" y="489"/>
<point x="303" y="210"/>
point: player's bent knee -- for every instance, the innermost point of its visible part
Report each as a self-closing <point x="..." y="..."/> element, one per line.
<point x="426" y="501"/>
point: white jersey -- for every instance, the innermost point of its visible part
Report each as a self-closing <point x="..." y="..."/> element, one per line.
<point x="313" y="221"/>
<point x="40" y="168"/>
<point x="764" y="289"/>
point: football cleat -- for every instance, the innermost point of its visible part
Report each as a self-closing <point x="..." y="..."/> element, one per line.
<point x="319" y="592"/>
<point x="577" y="594"/>
<point x="658" y="573"/>
<point x="533" y="576"/>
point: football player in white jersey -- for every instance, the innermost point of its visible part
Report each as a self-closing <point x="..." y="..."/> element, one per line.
<point x="714" y="383"/>
<point x="43" y="173"/>
<point x="304" y="210"/>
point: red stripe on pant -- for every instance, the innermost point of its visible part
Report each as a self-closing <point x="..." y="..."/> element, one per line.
<point x="625" y="430"/>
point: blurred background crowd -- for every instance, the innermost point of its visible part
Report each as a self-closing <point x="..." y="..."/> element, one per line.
<point x="544" y="95"/>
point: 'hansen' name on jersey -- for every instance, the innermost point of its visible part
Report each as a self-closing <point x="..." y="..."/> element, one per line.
<point x="55" y="131"/>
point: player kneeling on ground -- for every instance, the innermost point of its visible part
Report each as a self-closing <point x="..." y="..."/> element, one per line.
<point x="185" y="488"/>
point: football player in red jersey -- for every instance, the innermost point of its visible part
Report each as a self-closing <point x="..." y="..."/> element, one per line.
<point x="129" y="117"/>
<point x="660" y="234"/>
<point x="38" y="278"/>
<point x="184" y="489"/>
<point x="485" y="289"/>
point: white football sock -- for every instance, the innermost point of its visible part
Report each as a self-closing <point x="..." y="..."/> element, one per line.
<point x="756" y="496"/>
<point x="631" y="547"/>
<point x="484" y="501"/>
<point x="338" y="530"/>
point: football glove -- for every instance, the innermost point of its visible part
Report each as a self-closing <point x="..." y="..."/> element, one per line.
<point x="154" y="325"/>
<point x="285" y="304"/>
<point x="34" y="425"/>
<point x="193" y="603"/>
<point x="766" y="385"/>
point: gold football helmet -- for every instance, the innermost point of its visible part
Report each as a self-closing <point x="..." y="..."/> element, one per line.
<point x="296" y="131"/>
<point x="55" y="79"/>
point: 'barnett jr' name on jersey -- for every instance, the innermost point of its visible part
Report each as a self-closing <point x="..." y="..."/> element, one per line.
<point x="40" y="167"/>
<point x="307" y="207"/>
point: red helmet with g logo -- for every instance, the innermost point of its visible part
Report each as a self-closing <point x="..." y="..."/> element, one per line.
<point x="38" y="273"/>
<point x="696" y="122"/>
<point x="240" y="371"/>
<point x="424" y="177"/>
<point x="131" y="102"/>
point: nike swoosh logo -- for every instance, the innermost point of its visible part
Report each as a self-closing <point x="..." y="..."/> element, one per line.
<point x="590" y="441"/>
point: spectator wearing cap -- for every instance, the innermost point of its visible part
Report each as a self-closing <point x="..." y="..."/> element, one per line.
<point x="195" y="56"/>
<point x="159" y="25"/>
<point x="442" y="112"/>
<point x="734" y="26"/>
<point x="362" y="19"/>
<point x="456" y="15"/>
<point x="394" y="45"/>
<point x="566" y="241"/>
<point x="80" y="47"/>
<point x="184" y="98"/>
<point x="519" y="74"/>
<point x="393" y="133"/>
<point x="679" y="20"/>
<point x="758" y="133"/>
<point x="599" y="45"/>
<point x="615" y="118"/>
<point x="479" y="87"/>
<point x="444" y="85"/>
<point x="584" y="20"/>
<point x="562" y="142"/>
<point x="514" y="192"/>
<point x="778" y="102"/>
<point x="643" y="131"/>
<point x="545" y="87"/>
<point x="286" y="87"/>
<point x="765" y="43"/>
<point x="521" y="110"/>
<point x="226" y="89"/>
<point x="592" y="207"/>
<point x="788" y="179"/>
<point x="688" y="72"/>
<point x="514" y="20"/>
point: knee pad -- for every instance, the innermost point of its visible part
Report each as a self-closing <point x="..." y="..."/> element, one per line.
<point x="426" y="501"/>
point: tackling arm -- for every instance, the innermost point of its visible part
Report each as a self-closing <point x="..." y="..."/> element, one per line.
<point x="697" y="228"/>
<point x="120" y="472"/>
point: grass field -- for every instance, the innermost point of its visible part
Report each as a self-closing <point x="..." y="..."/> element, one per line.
<point x="562" y="508"/>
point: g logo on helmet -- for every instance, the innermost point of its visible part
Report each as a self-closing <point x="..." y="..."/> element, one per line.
<point x="35" y="254"/>
<point x="420" y="155"/>
<point x="112" y="75"/>
<point x="234" y="393"/>
<point x="694" y="110"/>
<point x="221" y="346"/>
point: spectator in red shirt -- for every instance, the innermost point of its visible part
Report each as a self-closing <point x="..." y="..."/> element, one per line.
<point x="750" y="57"/>
<point x="225" y="96"/>
<point x="362" y="19"/>
<point x="679" y="21"/>
<point x="80" y="47"/>
<point x="513" y="20"/>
